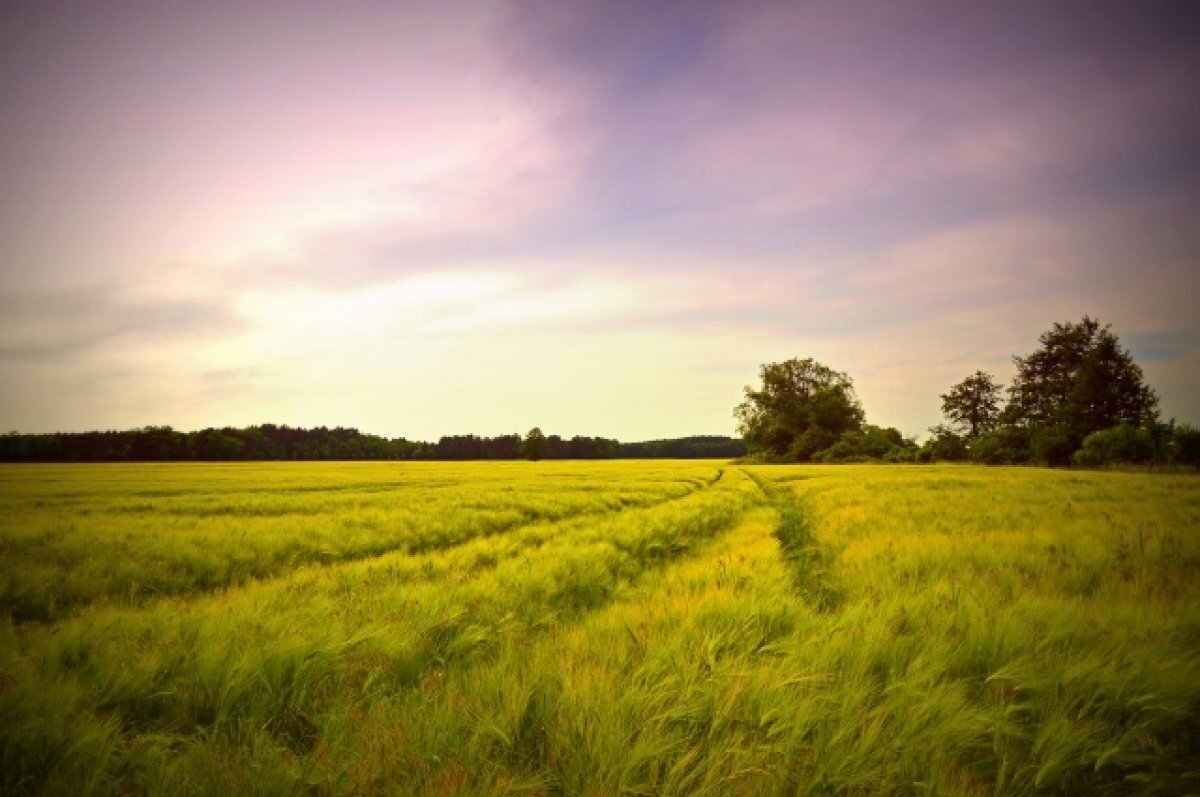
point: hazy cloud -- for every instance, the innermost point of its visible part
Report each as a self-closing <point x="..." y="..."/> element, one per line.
<point x="53" y="325"/>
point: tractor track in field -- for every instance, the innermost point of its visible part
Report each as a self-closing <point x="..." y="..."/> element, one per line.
<point x="318" y="560"/>
<point x="806" y="558"/>
<point x="438" y="625"/>
<point x="475" y="628"/>
<point x="488" y="561"/>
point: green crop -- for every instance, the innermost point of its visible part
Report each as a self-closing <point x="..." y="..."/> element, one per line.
<point x="597" y="628"/>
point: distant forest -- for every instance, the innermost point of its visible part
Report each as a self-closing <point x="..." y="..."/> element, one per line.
<point x="271" y="442"/>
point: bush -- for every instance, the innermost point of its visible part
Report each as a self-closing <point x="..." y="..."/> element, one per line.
<point x="840" y="451"/>
<point x="1008" y="445"/>
<point x="1121" y="444"/>
<point x="945" y="445"/>
<point x="809" y="445"/>
<point x="871" y="443"/>
<point x="989" y="449"/>
<point x="1052" y="445"/>
<point x="902" y="454"/>
<point x="847" y="449"/>
<point x="1185" y="445"/>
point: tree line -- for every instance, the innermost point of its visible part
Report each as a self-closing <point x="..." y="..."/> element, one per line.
<point x="281" y="442"/>
<point x="1079" y="399"/>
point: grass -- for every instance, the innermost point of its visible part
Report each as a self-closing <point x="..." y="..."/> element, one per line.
<point x="186" y="528"/>
<point x="601" y="628"/>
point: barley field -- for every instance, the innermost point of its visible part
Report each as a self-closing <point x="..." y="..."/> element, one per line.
<point x="641" y="628"/>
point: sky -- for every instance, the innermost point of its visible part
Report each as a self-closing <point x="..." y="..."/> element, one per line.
<point x="600" y="218"/>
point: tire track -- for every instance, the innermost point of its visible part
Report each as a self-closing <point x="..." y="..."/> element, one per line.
<point x="270" y="655"/>
<point x="54" y="602"/>
<point x="810" y="563"/>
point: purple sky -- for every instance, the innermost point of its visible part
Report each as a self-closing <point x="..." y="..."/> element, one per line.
<point x="600" y="218"/>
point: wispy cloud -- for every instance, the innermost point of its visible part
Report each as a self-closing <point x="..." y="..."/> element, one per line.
<point x="72" y="323"/>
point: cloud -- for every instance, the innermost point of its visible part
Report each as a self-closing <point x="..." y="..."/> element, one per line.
<point x="70" y="323"/>
<point x="484" y="215"/>
<point x="215" y="131"/>
<point x="862" y="126"/>
<point x="1163" y="346"/>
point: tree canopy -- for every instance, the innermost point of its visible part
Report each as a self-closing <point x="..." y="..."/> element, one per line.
<point x="1080" y="381"/>
<point x="1078" y="384"/>
<point x="801" y="409"/>
<point x="973" y="405"/>
<point x="1078" y="399"/>
<point x="533" y="447"/>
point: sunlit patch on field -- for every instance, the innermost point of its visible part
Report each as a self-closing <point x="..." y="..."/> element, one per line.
<point x="602" y="628"/>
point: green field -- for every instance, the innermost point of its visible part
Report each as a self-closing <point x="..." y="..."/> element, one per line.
<point x="601" y="628"/>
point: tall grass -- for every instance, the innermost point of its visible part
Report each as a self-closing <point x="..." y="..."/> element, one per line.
<point x="258" y="665"/>
<point x="731" y="630"/>
<point x="74" y="534"/>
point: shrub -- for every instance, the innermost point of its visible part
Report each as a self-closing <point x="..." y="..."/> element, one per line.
<point x="1052" y="445"/>
<point x="1121" y="444"/>
<point x="1185" y="445"/>
<point x="1008" y="445"/>
<point x="946" y="445"/>
<point x="871" y="443"/>
<point x="841" y="451"/>
<point x="902" y="454"/>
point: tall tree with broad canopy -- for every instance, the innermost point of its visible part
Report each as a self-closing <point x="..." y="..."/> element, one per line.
<point x="1080" y="381"/>
<point x="973" y="405"/>
<point x="802" y="408"/>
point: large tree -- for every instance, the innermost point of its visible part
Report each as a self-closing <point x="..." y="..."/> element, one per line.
<point x="1080" y="381"/>
<point x="802" y="408"/>
<point x="973" y="405"/>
